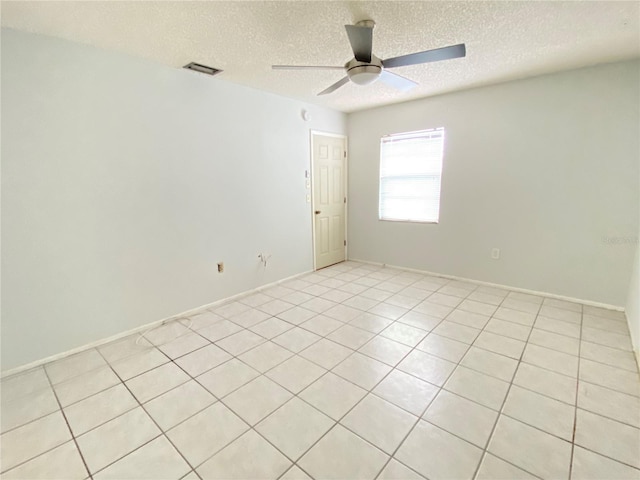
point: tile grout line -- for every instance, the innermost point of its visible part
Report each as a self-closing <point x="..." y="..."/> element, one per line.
<point x="296" y="395"/>
<point x="500" y="413"/>
<point x="488" y="441"/>
<point x="371" y="271"/>
<point x="194" y="468"/>
<point x="420" y="417"/>
<point x="575" y="409"/>
<point x="61" y="407"/>
<point x="64" y="415"/>
<point x="61" y="410"/>
<point x="441" y="388"/>
<point x="428" y="332"/>
<point x="242" y="326"/>
<point x="313" y="406"/>
<point x="162" y="432"/>
<point x="337" y="422"/>
<point x="251" y="428"/>
<point x="323" y="412"/>
<point x="218" y="399"/>
<point x="406" y="286"/>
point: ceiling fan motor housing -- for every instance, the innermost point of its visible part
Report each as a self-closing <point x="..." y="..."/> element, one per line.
<point x="364" y="73"/>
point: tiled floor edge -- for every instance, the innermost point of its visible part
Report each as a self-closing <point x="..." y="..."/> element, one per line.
<point x="590" y="303"/>
<point x="142" y="328"/>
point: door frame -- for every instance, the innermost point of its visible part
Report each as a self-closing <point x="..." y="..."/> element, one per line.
<point x="312" y="133"/>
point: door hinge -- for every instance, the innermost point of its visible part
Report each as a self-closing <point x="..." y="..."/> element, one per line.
<point x="345" y="154"/>
<point x="345" y="243"/>
<point x="345" y="199"/>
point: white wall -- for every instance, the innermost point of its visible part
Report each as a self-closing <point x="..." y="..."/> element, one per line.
<point x="632" y="309"/>
<point x="124" y="182"/>
<point x="543" y="169"/>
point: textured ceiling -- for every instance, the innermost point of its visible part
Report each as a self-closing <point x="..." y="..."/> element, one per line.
<point x="505" y="40"/>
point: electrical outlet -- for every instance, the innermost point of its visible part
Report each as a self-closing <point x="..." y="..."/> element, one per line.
<point x="220" y="267"/>
<point x="495" y="253"/>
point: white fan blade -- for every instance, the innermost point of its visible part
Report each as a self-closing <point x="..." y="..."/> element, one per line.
<point x="304" y="67"/>
<point x="335" y="86"/>
<point x="397" y="81"/>
<point x="435" y="55"/>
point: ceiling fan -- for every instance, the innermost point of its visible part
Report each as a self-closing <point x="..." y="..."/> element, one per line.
<point x="366" y="68"/>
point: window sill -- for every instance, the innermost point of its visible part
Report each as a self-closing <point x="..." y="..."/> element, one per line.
<point x="408" y="221"/>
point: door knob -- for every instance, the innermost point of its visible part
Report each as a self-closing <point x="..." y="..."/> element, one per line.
<point x="318" y="212"/>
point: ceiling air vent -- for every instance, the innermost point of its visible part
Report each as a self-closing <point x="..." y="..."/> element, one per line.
<point x="202" y="68"/>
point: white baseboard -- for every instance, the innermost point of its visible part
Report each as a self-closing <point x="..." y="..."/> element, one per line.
<point x="187" y="313"/>
<point x="143" y="328"/>
<point x="636" y="352"/>
<point x="497" y="285"/>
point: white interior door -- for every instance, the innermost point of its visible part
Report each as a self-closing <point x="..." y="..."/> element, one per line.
<point x="329" y="200"/>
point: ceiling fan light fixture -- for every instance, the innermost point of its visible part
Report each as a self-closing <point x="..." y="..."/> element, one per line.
<point x="364" y="74"/>
<point x="365" y="68"/>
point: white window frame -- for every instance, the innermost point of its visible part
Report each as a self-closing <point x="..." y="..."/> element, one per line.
<point x="417" y="175"/>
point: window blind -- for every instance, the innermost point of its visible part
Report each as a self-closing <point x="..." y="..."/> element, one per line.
<point x="410" y="171"/>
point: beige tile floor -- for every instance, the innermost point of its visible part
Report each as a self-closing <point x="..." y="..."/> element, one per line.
<point x="354" y="371"/>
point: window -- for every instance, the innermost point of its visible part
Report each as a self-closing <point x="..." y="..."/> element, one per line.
<point x="410" y="170"/>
